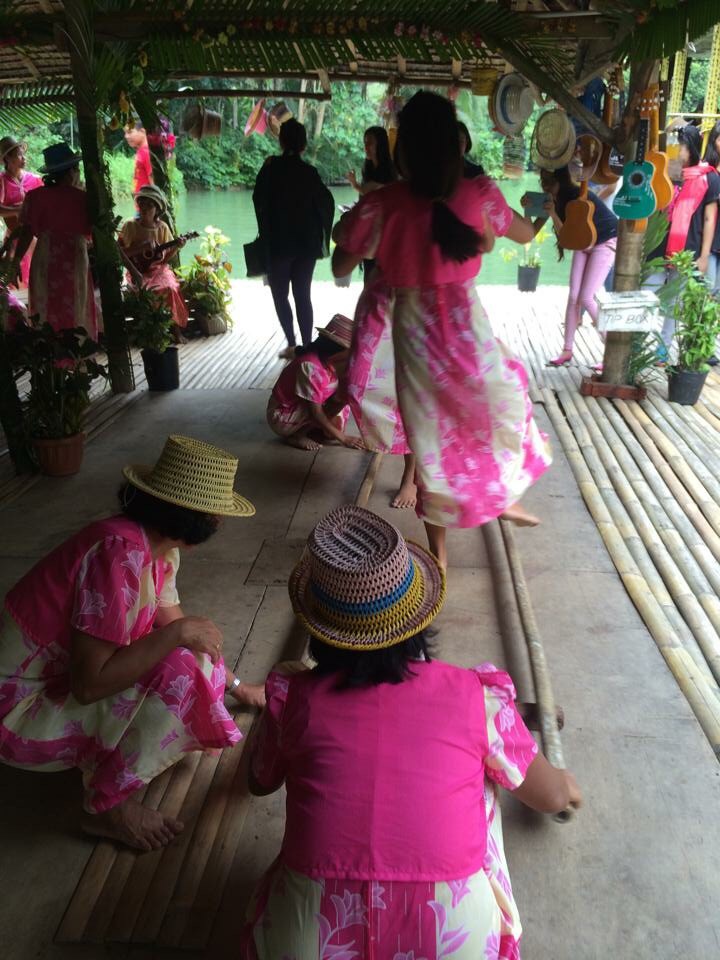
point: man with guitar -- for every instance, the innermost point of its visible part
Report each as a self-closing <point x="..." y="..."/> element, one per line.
<point x="147" y="245"/>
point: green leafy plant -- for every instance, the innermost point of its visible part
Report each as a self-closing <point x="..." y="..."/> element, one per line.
<point x="688" y="299"/>
<point x="205" y="282"/>
<point x="530" y="256"/>
<point x="149" y="319"/>
<point x="62" y="367"/>
<point x="644" y="351"/>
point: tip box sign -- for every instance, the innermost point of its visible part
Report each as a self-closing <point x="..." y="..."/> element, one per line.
<point x="634" y="311"/>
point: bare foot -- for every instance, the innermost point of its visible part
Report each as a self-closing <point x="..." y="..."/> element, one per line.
<point x="248" y="694"/>
<point x="520" y="517"/>
<point x="287" y="354"/>
<point x="303" y="442"/>
<point x="134" y="825"/>
<point x="406" y="497"/>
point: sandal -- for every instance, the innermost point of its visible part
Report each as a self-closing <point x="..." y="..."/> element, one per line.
<point x="561" y="361"/>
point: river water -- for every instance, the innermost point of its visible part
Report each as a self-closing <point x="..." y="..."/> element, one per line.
<point x="232" y="211"/>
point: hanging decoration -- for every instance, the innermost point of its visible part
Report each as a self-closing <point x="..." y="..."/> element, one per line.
<point x="163" y="137"/>
<point x="510" y="104"/>
<point x="257" y="121"/>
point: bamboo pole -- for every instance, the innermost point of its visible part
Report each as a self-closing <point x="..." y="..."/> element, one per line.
<point x="661" y="575"/>
<point x="680" y="491"/>
<point x="547" y="711"/>
<point x="655" y="490"/>
<point x="366" y="487"/>
<point x="690" y="432"/>
<point x="81" y="45"/>
<point x="700" y="695"/>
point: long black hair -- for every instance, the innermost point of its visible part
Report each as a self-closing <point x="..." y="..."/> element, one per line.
<point x="367" y="668"/>
<point x="324" y="347"/>
<point x="712" y="156"/>
<point x="169" y="520"/>
<point x="56" y="179"/>
<point x="383" y="170"/>
<point x="689" y="136"/>
<point x="428" y="156"/>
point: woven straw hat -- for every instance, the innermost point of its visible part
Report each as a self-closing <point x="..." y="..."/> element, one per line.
<point x="339" y="330"/>
<point x="553" y="140"/>
<point x="8" y="144"/>
<point x="513" y="102"/>
<point x="193" y="474"/>
<point x="360" y="586"/>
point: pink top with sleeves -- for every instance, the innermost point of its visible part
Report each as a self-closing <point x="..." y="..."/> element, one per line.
<point x="387" y="782"/>
<point x="94" y="582"/>
<point x="377" y="228"/>
<point x="305" y="378"/>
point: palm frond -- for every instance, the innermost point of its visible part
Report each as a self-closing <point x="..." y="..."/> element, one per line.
<point x="35" y="104"/>
<point x="666" y="28"/>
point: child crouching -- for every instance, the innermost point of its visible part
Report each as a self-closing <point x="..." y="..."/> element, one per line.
<point x="309" y="396"/>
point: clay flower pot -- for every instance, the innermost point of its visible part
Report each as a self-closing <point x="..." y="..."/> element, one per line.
<point x="60" y="457"/>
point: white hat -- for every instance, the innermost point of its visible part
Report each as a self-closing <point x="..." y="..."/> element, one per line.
<point x="512" y="104"/>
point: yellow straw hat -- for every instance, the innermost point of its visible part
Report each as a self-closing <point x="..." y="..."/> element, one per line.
<point x="193" y="474"/>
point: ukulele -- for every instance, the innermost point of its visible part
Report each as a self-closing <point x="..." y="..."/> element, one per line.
<point x="636" y="198"/>
<point x="144" y="260"/>
<point x="661" y="183"/>
<point x="578" y="231"/>
<point x="605" y="173"/>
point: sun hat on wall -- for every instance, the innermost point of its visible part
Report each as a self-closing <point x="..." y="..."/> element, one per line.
<point x="553" y="140"/>
<point x="193" y="474"/>
<point x="512" y="104"/>
<point x="361" y="586"/>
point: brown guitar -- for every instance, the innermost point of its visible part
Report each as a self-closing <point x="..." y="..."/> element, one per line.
<point x="604" y="173"/>
<point x="578" y="231"/>
<point x="661" y="182"/>
<point x="144" y="261"/>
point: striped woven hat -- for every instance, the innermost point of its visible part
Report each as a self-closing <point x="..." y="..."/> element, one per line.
<point x="361" y="586"/>
<point x="193" y="474"/>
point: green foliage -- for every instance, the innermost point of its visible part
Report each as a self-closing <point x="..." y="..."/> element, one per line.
<point x="696" y="85"/>
<point x="205" y="283"/>
<point x="62" y="368"/>
<point x="219" y="163"/>
<point x="487" y="144"/>
<point x="644" y="351"/>
<point x="530" y="256"/>
<point x="340" y="145"/>
<point x="149" y="319"/>
<point x="687" y="297"/>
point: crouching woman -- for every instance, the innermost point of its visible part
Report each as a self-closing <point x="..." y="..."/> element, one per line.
<point x="100" y="669"/>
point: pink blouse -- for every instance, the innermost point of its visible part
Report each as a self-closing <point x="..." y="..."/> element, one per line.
<point x="305" y="378"/>
<point x="387" y="782"/>
<point x="13" y="193"/>
<point x="103" y="581"/>
<point x="392" y="226"/>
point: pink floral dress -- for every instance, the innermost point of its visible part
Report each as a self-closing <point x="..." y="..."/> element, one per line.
<point x="367" y="814"/>
<point x="426" y="374"/>
<point x="303" y="381"/>
<point x="103" y="582"/>
<point x="61" y="285"/>
<point x="12" y="193"/>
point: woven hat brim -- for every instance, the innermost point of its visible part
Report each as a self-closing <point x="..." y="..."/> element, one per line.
<point x="508" y="127"/>
<point x="434" y="586"/>
<point x="553" y="163"/>
<point x="334" y="337"/>
<point x="137" y="474"/>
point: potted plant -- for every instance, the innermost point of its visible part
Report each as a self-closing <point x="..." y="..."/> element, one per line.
<point x="528" y="262"/>
<point x="150" y="324"/>
<point x="206" y="286"/>
<point x="61" y="366"/>
<point x="688" y="298"/>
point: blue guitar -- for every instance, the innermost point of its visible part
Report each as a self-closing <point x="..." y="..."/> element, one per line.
<point x="636" y="198"/>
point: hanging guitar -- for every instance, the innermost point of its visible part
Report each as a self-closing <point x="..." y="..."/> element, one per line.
<point x="578" y="231"/>
<point x="661" y="183"/>
<point x="636" y="198"/>
<point x="144" y="260"/>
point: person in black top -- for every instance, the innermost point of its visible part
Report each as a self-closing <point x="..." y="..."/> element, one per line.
<point x="470" y="169"/>
<point x="589" y="267"/>
<point x="294" y="211"/>
<point x="712" y="157"/>
<point x="378" y="170"/>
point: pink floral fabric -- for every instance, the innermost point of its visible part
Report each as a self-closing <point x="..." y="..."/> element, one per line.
<point x="12" y="194"/>
<point x="303" y="381"/>
<point x="426" y="375"/>
<point x="103" y="582"/>
<point x="315" y="915"/>
<point x="60" y="285"/>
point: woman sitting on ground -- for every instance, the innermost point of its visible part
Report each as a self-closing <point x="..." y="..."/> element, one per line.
<point x="140" y="238"/>
<point x="309" y="397"/>
<point x="393" y="843"/>
<point x="101" y="669"/>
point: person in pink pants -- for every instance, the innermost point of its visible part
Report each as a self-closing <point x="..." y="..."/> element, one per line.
<point x="590" y="267"/>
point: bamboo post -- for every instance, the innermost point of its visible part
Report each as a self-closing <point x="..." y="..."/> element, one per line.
<point x="78" y="18"/>
<point x="628" y="258"/>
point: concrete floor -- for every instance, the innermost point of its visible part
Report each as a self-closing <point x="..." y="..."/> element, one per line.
<point x="633" y="877"/>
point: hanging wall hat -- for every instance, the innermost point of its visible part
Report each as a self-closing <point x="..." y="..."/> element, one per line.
<point x="276" y="117"/>
<point x="257" y="121"/>
<point x="553" y="140"/>
<point x="584" y="163"/>
<point x="198" y="122"/>
<point x="512" y="103"/>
